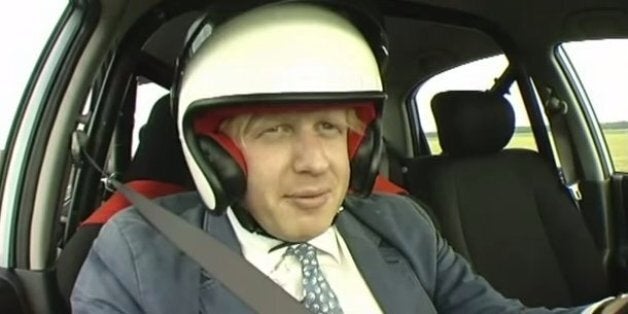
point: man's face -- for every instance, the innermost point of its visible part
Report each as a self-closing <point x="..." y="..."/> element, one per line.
<point x="298" y="171"/>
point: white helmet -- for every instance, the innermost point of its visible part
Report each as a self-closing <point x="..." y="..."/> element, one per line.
<point x="280" y="53"/>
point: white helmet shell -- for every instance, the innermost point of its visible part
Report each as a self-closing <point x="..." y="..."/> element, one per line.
<point x="276" y="49"/>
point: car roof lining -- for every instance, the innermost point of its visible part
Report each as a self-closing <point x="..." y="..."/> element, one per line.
<point x="427" y="51"/>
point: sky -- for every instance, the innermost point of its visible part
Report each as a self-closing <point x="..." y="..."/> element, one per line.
<point x="25" y="28"/>
<point x="602" y="66"/>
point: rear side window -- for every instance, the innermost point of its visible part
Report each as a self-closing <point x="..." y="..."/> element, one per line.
<point x="475" y="75"/>
<point x="602" y="68"/>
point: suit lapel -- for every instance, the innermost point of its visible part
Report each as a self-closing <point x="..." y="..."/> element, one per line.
<point x="220" y="228"/>
<point x="387" y="275"/>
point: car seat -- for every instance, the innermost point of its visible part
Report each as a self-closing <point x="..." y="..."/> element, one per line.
<point x="505" y="210"/>
<point x="157" y="169"/>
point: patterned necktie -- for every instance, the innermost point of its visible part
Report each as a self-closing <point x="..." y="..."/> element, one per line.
<point x="319" y="298"/>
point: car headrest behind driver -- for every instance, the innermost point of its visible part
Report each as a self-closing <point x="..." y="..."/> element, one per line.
<point x="472" y="122"/>
<point x="159" y="155"/>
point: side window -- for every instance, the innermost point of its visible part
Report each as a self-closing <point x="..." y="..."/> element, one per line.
<point x="602" y="68"/>
<point x="21" y="49"/>
<point x="476" y="75"/>
<point x="147" y="95"/>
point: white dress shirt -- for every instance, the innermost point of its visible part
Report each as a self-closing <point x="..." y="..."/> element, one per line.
<point x="334" y="258"/>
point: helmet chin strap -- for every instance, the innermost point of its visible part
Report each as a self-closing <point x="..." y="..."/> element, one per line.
<point x="248" y="222"/>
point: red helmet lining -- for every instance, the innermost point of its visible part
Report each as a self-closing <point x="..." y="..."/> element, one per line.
<point x="207" y="123"/>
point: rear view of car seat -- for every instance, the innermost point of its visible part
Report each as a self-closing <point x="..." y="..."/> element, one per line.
<point x="157" y="169"/>
<point x="505" y="210"/>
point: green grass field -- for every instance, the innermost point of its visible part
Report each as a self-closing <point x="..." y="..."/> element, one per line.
<point x="617" y="140"/>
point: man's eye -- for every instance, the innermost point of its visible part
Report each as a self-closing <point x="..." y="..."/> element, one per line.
<point x="275" y="130"/>
<point x="326" y="126"/>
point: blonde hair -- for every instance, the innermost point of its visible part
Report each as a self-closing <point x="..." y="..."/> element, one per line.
<point x="237" y="126"/>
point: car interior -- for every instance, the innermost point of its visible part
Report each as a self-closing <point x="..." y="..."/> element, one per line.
<point x="505" y="210"/>
<point x="545" y="224"/>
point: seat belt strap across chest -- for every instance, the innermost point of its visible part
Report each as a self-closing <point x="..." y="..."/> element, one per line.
<point x="259" y="292"/>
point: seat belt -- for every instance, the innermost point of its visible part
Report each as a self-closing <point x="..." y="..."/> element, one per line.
<point x="259" y="292"/>
<point x="556" y="111"/>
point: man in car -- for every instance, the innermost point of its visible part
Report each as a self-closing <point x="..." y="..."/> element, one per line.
<point x="277" y="112"/>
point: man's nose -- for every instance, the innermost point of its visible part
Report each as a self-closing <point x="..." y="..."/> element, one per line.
<point x="310" y="154"/>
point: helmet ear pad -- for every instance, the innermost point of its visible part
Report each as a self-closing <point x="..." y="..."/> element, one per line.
<point x="366" y="160"/>
<point x="225" y="175"/>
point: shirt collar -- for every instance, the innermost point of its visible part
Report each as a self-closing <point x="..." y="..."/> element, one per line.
<point x="250" y="242"/>
<point x="327" y="242"/>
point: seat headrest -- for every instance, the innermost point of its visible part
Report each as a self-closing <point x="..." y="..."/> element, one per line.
<point x="159" y="155"/>
<point x="472" y="122"/>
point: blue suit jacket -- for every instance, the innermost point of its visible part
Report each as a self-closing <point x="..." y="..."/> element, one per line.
<point x="409" y="268"/>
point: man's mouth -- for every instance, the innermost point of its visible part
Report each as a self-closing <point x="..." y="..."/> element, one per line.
<point x="309" y="199"/>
